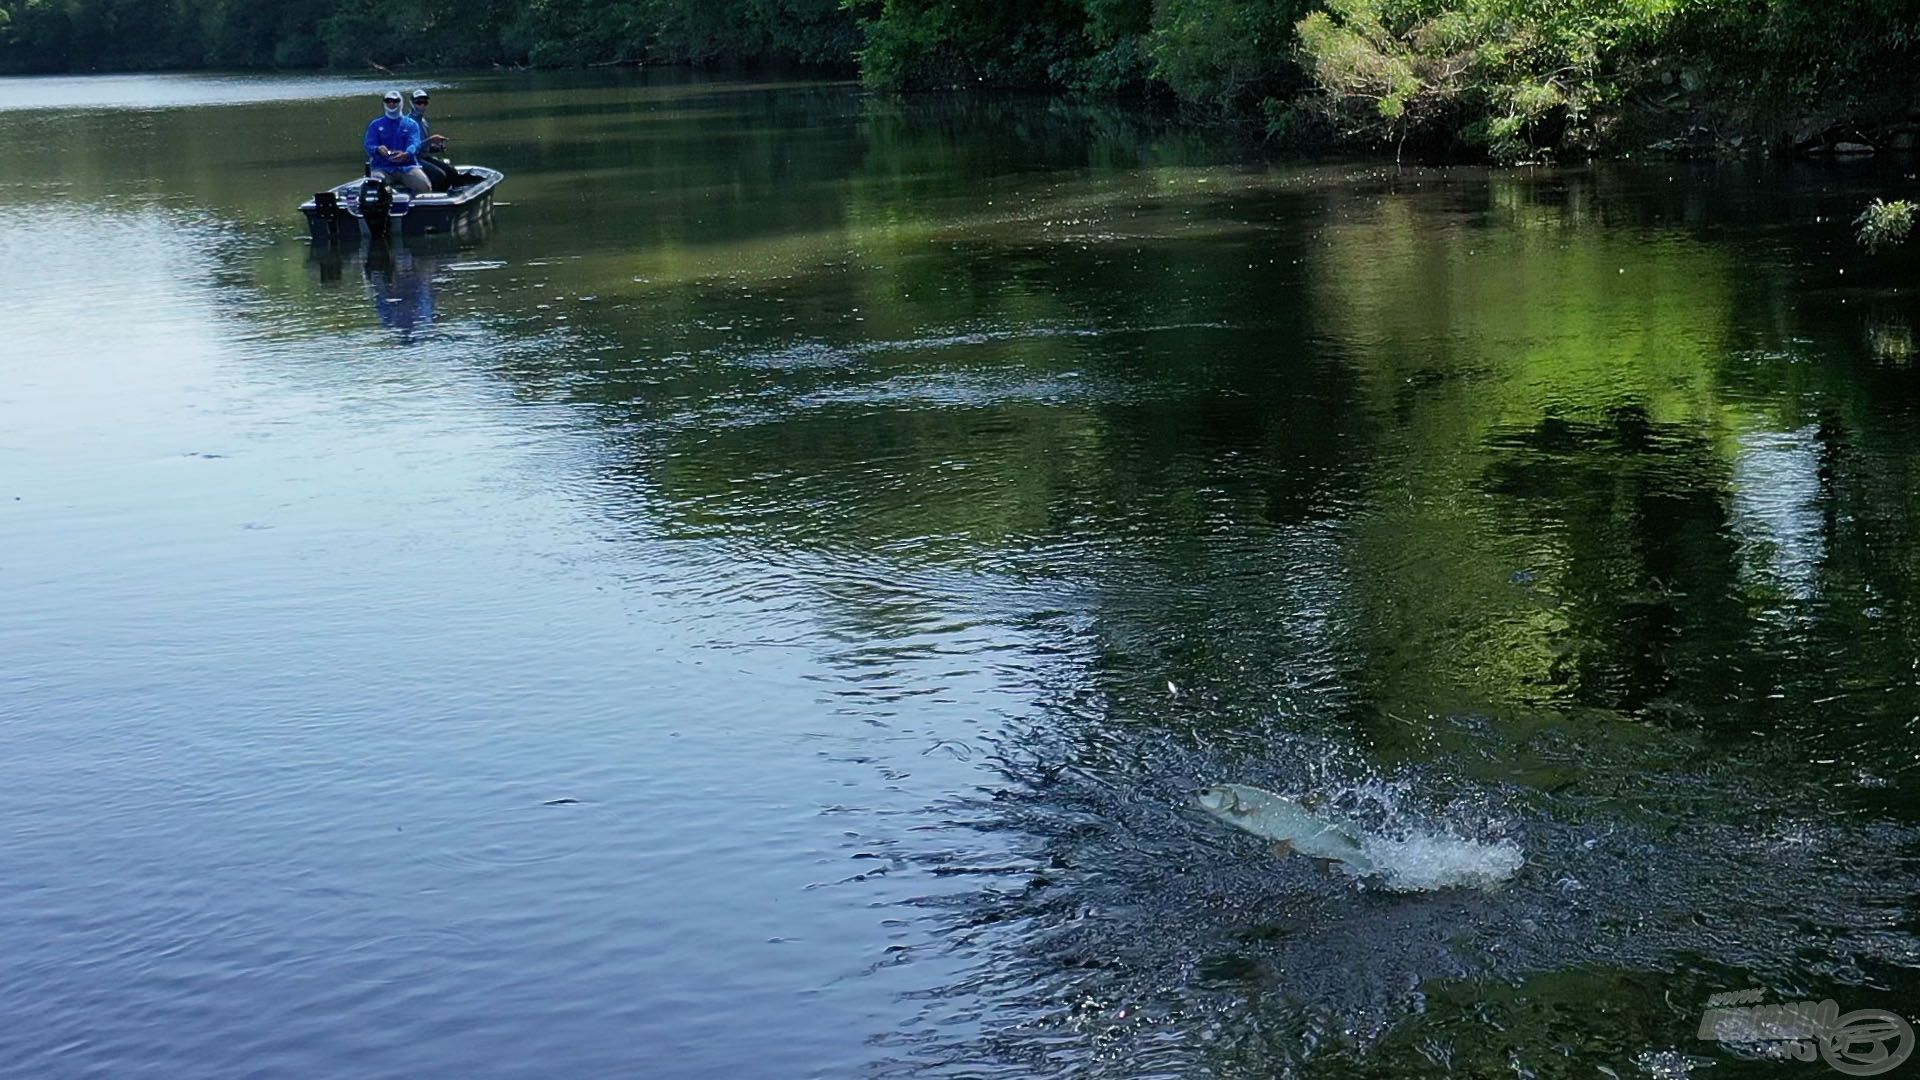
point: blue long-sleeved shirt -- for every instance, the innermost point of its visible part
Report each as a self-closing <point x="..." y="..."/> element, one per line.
<point x="394" y="133"/>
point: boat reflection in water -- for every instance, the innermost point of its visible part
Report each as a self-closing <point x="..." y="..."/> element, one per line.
<point x="401" y="278"/>
<point x="401" y="282"/>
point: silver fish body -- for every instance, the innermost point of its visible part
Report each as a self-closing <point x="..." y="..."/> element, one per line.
<point x="1285" y="822"/>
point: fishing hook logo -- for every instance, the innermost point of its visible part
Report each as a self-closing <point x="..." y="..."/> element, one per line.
<point x="1865" y="1042"/>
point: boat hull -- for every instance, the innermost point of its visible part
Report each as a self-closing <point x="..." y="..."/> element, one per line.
<point x="335" y="214"/>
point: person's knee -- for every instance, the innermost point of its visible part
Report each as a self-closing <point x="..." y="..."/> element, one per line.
<point x="415" y="180"/>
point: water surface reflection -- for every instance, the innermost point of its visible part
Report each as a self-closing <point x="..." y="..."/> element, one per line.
<point x="777" y="628"/>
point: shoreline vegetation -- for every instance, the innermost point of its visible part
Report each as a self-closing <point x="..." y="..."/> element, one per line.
<point x="1501" y="80"/>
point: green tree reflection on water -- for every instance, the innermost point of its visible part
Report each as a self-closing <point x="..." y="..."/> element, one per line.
<point x="1590" y="488"/>
<point x="1069" y="342"/>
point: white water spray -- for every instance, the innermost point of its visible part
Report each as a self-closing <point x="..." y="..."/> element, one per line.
<point x="1417" y="851"/>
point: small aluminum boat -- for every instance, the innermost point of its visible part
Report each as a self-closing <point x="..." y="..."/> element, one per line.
<point x="372" y="207"/>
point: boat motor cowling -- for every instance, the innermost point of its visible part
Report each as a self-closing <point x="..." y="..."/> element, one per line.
<point x="376" y="205"/>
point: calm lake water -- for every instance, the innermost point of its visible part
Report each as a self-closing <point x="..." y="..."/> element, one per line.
<point x="764" y="610"/>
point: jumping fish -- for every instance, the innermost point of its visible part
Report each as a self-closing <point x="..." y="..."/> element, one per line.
<point x="1286" y="823"/>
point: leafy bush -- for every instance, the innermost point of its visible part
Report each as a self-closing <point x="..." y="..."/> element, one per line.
<point x="1117" y="63"/>
<point x="1831" y="55"/>
<point x="919" y="44"/>
<point x="1229" y="54"/>
<point x="1884" y="224"/>
<point x="1516" y="76"/>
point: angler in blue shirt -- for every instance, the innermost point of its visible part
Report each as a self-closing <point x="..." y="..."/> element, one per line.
<point x="393" y="147"/>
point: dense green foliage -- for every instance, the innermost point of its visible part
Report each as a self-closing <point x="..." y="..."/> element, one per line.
<point x="79" y="35"/>
<point x="1522" y="77"/>
<point x="1224" y="54"/>
<point x="1515" y="79"/>
<point x="1513" y="74"/>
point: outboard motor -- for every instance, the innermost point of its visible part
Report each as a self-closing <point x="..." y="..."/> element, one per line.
<point x="376" y="206"/>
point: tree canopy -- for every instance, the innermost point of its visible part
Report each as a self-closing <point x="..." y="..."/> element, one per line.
<point x="1509" y="78"/>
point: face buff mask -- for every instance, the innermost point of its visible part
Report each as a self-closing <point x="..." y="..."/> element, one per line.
<point x="393" y="112"/>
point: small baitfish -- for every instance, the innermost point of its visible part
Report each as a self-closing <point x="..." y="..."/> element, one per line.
<point x="1286" y="823"/>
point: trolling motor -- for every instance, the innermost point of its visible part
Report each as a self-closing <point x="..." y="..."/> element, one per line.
<point x="327" y="213"/>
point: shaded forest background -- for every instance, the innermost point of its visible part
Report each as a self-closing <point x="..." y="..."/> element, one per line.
<point x="1510" y="79"/>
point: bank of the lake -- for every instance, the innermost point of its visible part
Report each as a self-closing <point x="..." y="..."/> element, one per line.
<point x="765" y="608"/>
<point x="1451" y="79"/>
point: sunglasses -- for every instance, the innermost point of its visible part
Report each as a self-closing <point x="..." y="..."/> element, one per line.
<point x="393" y="101"/>
<point x="421" y="100"/>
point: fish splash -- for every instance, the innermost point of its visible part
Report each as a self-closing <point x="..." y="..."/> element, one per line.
<point x="1414" y="850"/>
<point x="1426" y="862"/>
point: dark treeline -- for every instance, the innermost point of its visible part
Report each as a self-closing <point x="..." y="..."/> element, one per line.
<point x="1513" y="79"/>
<point x="118" y="35"/>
